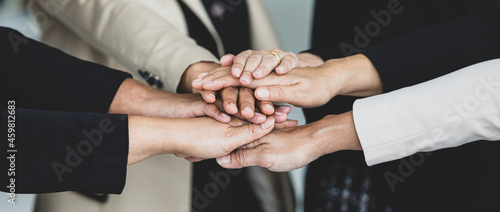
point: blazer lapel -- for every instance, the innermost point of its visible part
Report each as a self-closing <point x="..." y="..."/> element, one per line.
<point x="197" y="7"/>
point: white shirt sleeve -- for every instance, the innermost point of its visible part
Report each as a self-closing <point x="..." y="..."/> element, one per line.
<point x="448" y="111"/>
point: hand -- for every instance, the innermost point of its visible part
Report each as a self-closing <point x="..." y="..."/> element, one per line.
<point x="197" y="137"/>
<point x="307" y="87"/>
<point x="289" y="149"/>
<point x="258" y="64"/>
<point x="252" y="64"/>
<point x="241" y="103"/>
<point x="135" y="98"/>
<point x="302" y="87"/>
<point x="192" y="72"/>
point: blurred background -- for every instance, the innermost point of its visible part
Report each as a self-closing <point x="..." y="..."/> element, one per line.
<point x="292" y="19"/>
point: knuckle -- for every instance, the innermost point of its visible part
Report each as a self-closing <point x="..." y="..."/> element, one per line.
<point x="244" y="90"/>
<point x="278" y="92"/>
<point x="254" y="59"/>
<point x="230" y="90"/>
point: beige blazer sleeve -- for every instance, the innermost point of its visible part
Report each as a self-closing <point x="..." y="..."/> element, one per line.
<point x="132" y="33"/>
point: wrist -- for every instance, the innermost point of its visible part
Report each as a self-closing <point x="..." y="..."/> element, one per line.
<point x="337" y="132"/>
<point x="359" y="77"/>
<point x="310" y="60"/>
<point x="192" y="72"/>
<point x="129" y="95"/>
<point x="149" y="137"/>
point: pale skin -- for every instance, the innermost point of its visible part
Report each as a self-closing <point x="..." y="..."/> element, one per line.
<point x="165" y="123"/>
<point x="310" y="86"/>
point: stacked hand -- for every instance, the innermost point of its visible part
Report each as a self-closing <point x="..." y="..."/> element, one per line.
<point x="166" y="123"/>
<point x="304" y="81"/>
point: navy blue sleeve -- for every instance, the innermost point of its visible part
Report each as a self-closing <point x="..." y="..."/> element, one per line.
<point x="434" y="51"/>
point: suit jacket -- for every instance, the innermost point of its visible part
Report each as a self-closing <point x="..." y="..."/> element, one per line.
<point x="52" y="98"/>
<point x="151" y="36"/>
<point x="110" y="32"/>
<point x="425" y="40"/>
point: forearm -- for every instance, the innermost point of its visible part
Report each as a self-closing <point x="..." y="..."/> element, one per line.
<point x="148" y="137"/>
<point x="449" y="111"/>
<point x="351" y="76"/>
<point x="335" y="133"/>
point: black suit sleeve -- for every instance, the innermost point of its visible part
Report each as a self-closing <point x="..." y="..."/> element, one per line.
<point x="60" y="151"/>
<point x="63" y="140"/>
<point x="437" y="50"/>
<point x="41" y="77"/>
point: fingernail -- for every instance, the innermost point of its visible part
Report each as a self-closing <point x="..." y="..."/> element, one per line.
<point x="197" y="80"/>
<point x="237" y="72"/>
<point x="245" y="79"/>
<point x="224" y="160"/>
<point x="269" y="107"/>
<point x="207" y="83"/>
<point x="211" y="95"/>
<point x="200" y="76"/>
<point x="258" y="73"/>
<point x="248" y="109"/>
<point x="280" y="69"/>
<point x="283" y="109"/>
<point x="279" y="113"/>
<point x="225" y="116"/>
<point x="263" y="93"/>
<point x="232" y="105"/>
<point x="268" y="123"/>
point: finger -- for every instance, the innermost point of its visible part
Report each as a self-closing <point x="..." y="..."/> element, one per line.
<point x="239" y="63"/>
<point x="213" y="111"/>
<point x="286" y="124"/>
<point x="268" y="64"/>
<point x="258" y="118"/>
<point x="280" y="117"/>
<point x="250" y="145"/>
<point x="227" y="60"/>
<point x="242" y="158"/>
<point x="209" y="76"/>
<point x="266" y="107"/>
<point x="281" y="114"/>
<point x="289" y="62"/>
<point x="208" y="96"/>
<point x="277" y="93"/>
<point x="246" y="101"/>
<point x="245" y="134"/>
<point x="251" y="65"/>
<point x="221" y="82"/>
<point x="197" y="83"/>
<point x="229" y="98"/>
<point x="284" y="109"/>
<point x="193" y="159"/>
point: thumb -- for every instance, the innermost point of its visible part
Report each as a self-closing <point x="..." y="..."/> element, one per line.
<point x="240" y="158"/>
<point x="227" y="60"/>
<point x="276" y="93"/>
<point x="248" y="133"/>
